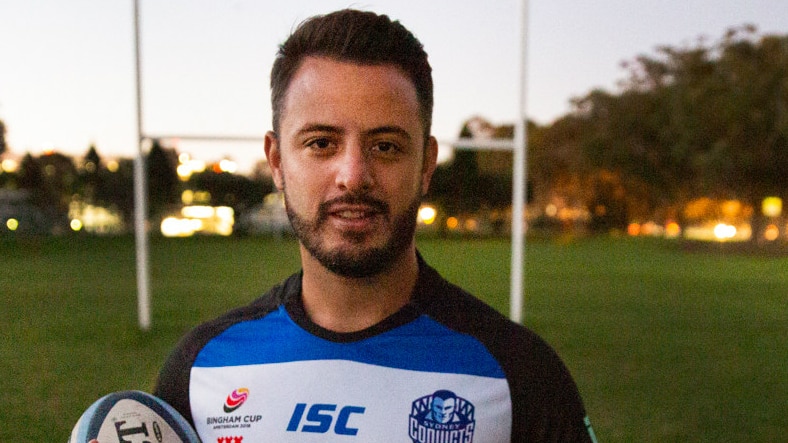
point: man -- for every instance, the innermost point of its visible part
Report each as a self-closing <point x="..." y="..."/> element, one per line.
<point x="443" y="408"/>
<point x="356" y="343"/>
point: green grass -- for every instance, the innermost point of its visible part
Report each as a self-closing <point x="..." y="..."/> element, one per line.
<point x="665" y="345"/>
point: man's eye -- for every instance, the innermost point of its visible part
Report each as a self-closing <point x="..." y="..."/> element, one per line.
<point x="320" y="144"/>
<point x="385" y="147"/>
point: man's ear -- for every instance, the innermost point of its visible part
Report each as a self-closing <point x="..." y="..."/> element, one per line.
<point x="274" y="156"/>
<point x="430" y="163"/>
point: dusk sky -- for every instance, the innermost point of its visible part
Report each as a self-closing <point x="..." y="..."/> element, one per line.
<point x="67" y="66"/>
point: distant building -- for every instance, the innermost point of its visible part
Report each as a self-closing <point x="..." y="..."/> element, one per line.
<point x="19" y="216"/>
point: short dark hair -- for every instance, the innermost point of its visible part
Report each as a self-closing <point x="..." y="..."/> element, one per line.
<point x="444" y="394"/>
<point x="361" y="37"/>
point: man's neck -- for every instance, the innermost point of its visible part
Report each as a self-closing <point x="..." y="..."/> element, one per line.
<point x="343" y="304"/>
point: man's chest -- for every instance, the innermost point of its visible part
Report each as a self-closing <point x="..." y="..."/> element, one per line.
<point x="270" y="380"/>
<point x="340" y="401"/>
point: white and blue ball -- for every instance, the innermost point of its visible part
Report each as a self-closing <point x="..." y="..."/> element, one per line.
<point x="132" y="416"/>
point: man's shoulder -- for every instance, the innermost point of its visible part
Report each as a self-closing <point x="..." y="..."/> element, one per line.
<point x="464" y="312"/>
<point x="191" y="343"/>
<point x="537" y="375"/>
<point x="172" y="384"/>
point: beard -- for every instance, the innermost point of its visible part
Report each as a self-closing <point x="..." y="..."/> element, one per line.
<point x="356" y="260"/>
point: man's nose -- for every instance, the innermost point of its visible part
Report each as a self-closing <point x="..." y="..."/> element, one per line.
<point x="354" y="169"/>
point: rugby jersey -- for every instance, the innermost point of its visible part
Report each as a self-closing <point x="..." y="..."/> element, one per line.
<point x="445" y="368"/>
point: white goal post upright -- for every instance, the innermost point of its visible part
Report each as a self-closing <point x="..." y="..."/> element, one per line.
<point x="519" y="148"/>
<point x="140" y="194"/>
<point x="520" y="175"/>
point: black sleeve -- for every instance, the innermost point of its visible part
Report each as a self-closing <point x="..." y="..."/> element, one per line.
<point x="546" y="403"/>
<point x="172" y="385"/>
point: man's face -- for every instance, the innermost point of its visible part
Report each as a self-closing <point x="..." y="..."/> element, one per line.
<point x="350" y="157"/>
<point x="442" y="410"/>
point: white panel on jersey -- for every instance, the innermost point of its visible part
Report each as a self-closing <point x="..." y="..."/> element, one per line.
<point x="342" y="401"/>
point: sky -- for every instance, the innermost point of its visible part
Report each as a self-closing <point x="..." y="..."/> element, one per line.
<point x="67" y="67"/>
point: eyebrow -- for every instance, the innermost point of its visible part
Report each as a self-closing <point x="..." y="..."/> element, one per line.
<point x="318" y="127"/>
<point x="389" y="130"/>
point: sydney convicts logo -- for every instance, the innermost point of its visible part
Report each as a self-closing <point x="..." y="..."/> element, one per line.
<point x="441" y="417"/>
<point x="235" y="399"/>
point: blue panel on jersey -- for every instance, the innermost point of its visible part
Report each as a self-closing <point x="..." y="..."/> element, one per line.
<point x="421" y="345"/>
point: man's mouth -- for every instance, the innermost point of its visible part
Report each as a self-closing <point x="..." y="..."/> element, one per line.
<point x="352" y="208"/>
<point x="352" y="214"/>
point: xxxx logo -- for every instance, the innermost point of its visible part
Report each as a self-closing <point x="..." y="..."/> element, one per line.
<point x="229" y="440"/>
<point x="235" y="400"/>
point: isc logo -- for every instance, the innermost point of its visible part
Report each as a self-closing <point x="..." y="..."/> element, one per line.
<point x="321" y="416"/>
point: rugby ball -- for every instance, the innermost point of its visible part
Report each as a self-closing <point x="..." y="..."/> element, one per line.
<point x="132" y="416"/>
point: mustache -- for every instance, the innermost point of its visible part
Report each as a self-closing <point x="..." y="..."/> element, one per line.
<point x="352" y="199"/>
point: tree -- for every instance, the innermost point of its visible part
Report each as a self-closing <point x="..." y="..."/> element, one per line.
<point x="163" y="182"/>
<point x="60" y="177"/>
<point x="40" y="178"/>
<point x="236" y="191"/>
<point x="91" y="176"/>
<point x="117" y="189"/>
<point x="31" y="178"/>
<point x="705" y="120"/>
<point x="3" y="146"/>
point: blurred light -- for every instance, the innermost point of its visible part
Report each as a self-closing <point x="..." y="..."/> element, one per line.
<point x="9" y="165"/>
<point x="187" y="197"/>
<point x="180" y="227"/>
<point x="772" y="206"/>
<point x="188" y="166"/>
<point x="672" y="230"/>
<point x="226" y="216"/>
<point x="427" y="215"/>
<point x="113" y="166"/>
<point x="724" y="231"/>
<point x="197" y="165"/>
<point x="771" y="233"/>
<point x="551" y="210"/>
<point x="731" y="208"/>
<point x="651" y="228"/>
<point x="12" y="224"/>
<point x="275" y="199"/>
<point x="184" y="172"/>
<point x="452" y="222"/>
<point x="633" y="229"/>
<point x="203" y="219"/>
<point x="224" y="212"/>
<point x="198" y="211"/>
<point x="94" y="219"/>
<point x="202" y="197"/>
<point x="228" y="166"/>
<point x="471" y="224"/>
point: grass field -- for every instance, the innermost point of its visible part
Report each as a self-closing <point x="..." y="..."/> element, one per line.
<point x="666" y="345"/>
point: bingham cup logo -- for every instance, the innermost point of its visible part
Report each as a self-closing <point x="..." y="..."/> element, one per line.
<point x="235" y="399"/>
<point x="441" y="417"/>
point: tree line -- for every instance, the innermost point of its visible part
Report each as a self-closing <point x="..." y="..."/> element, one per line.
<point x="54" y="181"/>
<point x="707" y="119"/>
